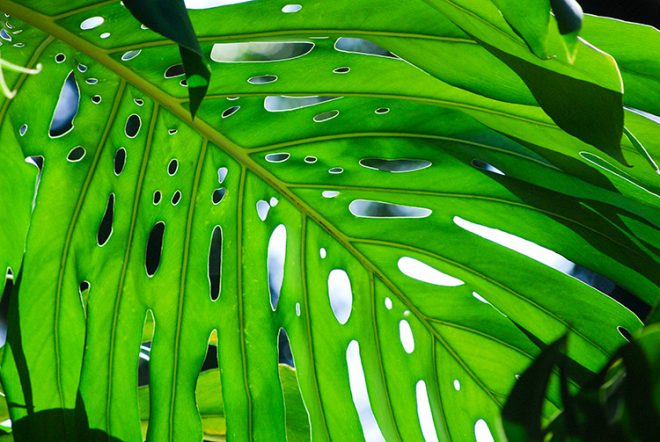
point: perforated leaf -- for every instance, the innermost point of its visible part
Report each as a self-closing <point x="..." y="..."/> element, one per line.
<point x="362" y="181"/>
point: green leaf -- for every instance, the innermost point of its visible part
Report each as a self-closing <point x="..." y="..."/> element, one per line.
<point x="562" y="89"/>
<point x="171" y="20"/>
<point x="522" y="413"/>
<point x="388" y="164"/>
<point x="531" y="23"/>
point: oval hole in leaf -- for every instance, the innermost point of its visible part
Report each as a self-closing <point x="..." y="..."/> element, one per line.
<point x="133" y="124"/>
<point x="59" y="58"/>
<point x="91" y="23"/>
<point x="120" y="160"/>
<point x="172" y="167"/>
<point x="406" y="336"/>
<point x="157" y="197"/>
<point x="395" y="166"/>
<point x="154" y="248"/>
<point x="416" y="269"/>
<point x="290" y="9"/>
<point x="96" y="99"/>
<point x="215" y="263"/>
<point x="263" y="51"/>
<point x="279" y="103"/>
<point x="105" y="228"/>
<point x="275" y="263"/>
<point x="382" y="111"/>
<point x="342" y="70"/>
<point x="277" y="157"/>
<point x="360" y="394"/>
<point x="130" y="55"/>
<point x="379" y="209"/>
<point x="66" y="108"/>
<point x="424" y="413"/>
<point x="325" y="116"/>
<point x="230" y="111"/>
<point x="176" y="197"/>
<point x="23" y="129"/>
<point x="310" y="159"/>
<point x="76" y="154"/>
<point x="174" y="71"/>
<point x="340" y="294"/>
<point x="262" y="79"/>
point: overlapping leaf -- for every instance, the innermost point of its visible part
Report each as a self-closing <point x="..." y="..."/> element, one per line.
<point x="446" y="119"/>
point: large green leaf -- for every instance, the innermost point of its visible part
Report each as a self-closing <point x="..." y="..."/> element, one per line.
<point x="478" y="316"/>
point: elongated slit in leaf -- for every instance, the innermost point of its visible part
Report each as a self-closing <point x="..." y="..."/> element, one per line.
<point x="359" y="392"/>
<point x="215" y="263"/>
<point x="275" y="263"/>
<point x="154" y="248"/>
<point x="105" y="228"/>
<point x="120" y="161"/>
<point x="66" y="108"/>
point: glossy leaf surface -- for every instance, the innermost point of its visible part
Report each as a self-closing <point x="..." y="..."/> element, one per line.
<point x="314" y="216"/>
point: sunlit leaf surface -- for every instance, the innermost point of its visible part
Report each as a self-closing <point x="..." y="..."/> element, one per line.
<point x="374" y="178"/>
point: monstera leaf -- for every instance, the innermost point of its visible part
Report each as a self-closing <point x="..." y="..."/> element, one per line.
<point x="370" y="184"/>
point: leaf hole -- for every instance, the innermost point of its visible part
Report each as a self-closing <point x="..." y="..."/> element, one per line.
<point x="262" y="79"/>
<point x="406" y="336"/>
<point x="382" y="111"/>
<point x="246" y="52"/>
<point x="310" y="159"/>
<point x="424" y="413"/>
<point x="158" y="196"/>
<point x="275" y="263"/>
<point x="284" y="355"/>
<point x="262" y="209"/>
<point x="96" y="99"/>
<point x="91" y="23"/>
<point x="394" y="166"/>
<point x="336" y="171"/>
<point x="340" y="294"/>
<point x="291" y="9"/>
<point x="482" y="432"/>
<point x="479" y="164"/>
<point x="120" y="161"/>
<point x="360" y="394"/>
<point x="172" y="167"/>
<point x="325" y="116"/>
<point x="416" y="269"/>
<point x="218" y="195"/>
<point x="230" y="111"/>
<point x="154" y="248"/>
<point x="66" y="108"/>
<point x="23" y="130"/>
<point x="76" y="154"/>
<point x="222" y="174"/>
<point x="133" y="124"/>
<point x="176" y="197"/>
<point x="361" y="46"/>
<point x="379" y="209"/>
<point x="105" y="228"/>
<point x="342" y="70"/>
<point x="215" y="263"/>
<point x="59" y="58"/>
<point x="174" y="71"/>
<point x="130" y="55"/>
<point x="277" y="157"/>
<point x="329" y="193"/>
